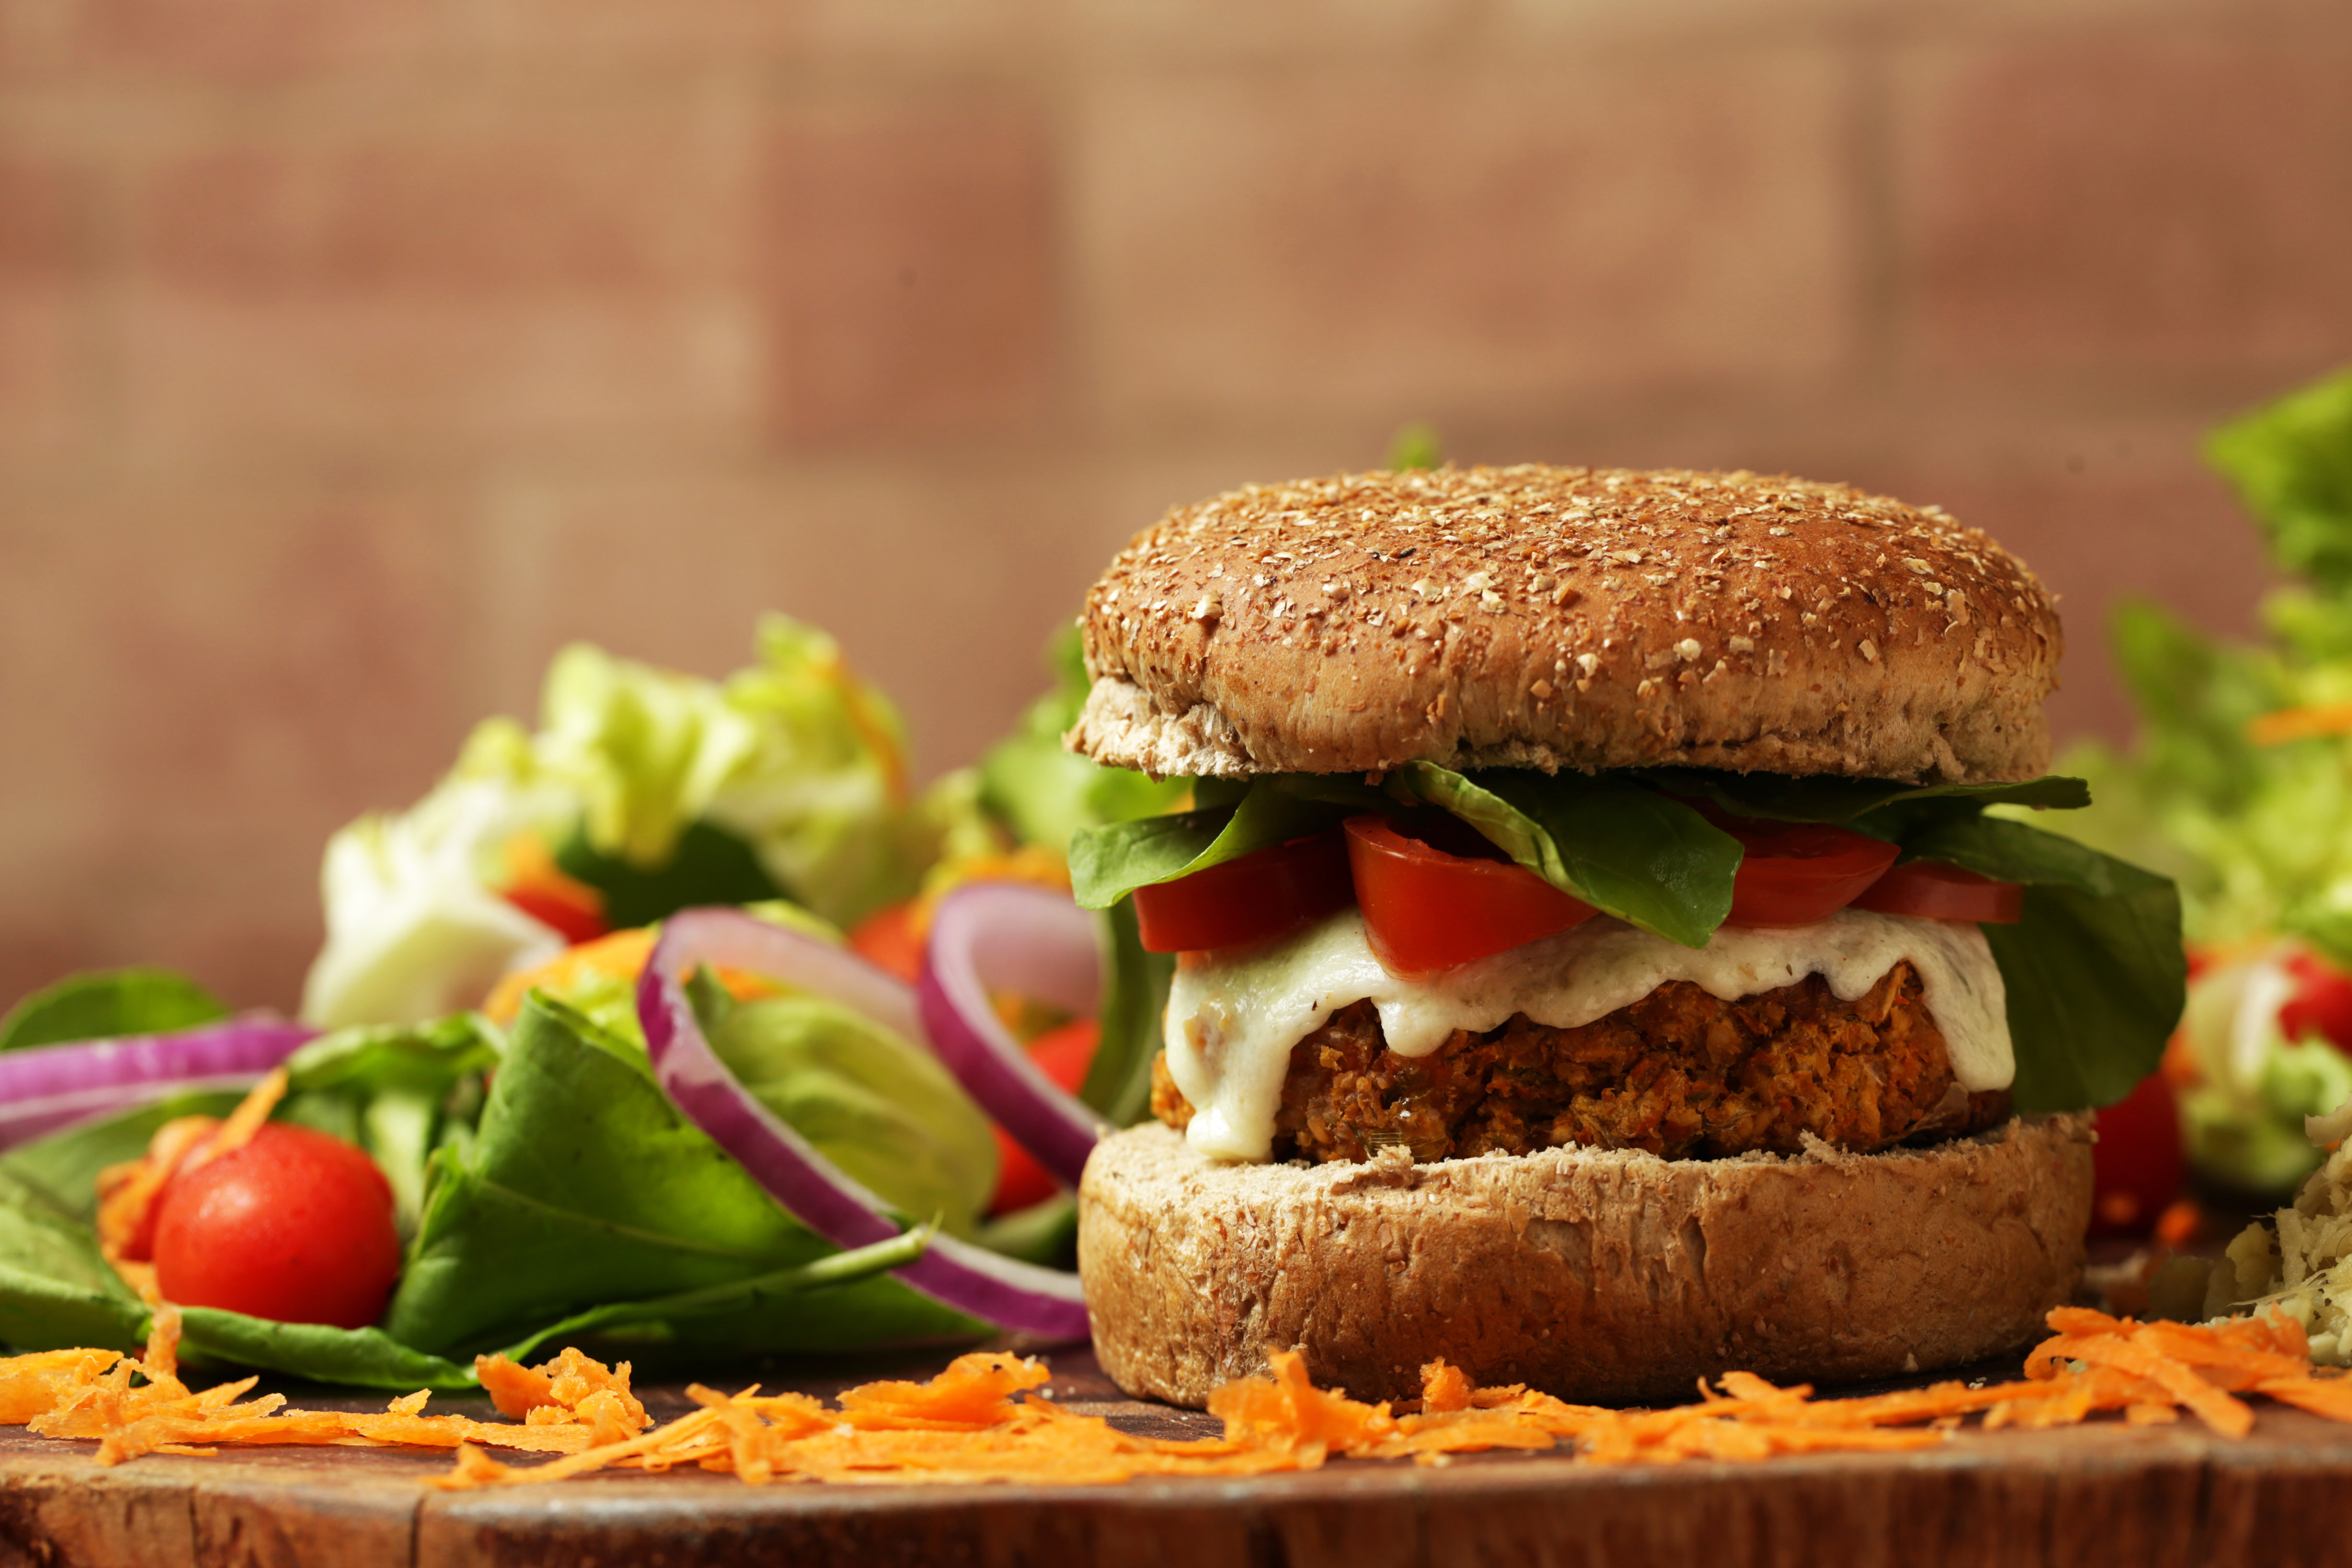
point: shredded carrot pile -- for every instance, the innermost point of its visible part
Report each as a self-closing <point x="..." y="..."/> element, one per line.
<point x="979" y="1420"/>
<point x="92" y="1395"/>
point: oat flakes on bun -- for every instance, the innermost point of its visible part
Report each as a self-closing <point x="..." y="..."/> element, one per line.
<point x="1610" y="946"/>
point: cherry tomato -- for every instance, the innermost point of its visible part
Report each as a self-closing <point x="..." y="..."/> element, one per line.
<point x="1063" y="1055"/>
<point x="1261" y="896"/>
<point x="1934" y="891"/>
<point x="2138" y="1164"/>
<point x="295" y="1227"/>
<point x="886" y="939"/>
<point x="1427" y="909"/>
<point x="1794" y="873"/>
<point x="2322" y="1002"/>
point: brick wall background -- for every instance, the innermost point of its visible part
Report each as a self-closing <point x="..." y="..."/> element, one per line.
<point x="353" y="353"/>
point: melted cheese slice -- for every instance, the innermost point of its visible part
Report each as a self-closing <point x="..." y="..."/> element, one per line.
<point x="1231" y="1023"/>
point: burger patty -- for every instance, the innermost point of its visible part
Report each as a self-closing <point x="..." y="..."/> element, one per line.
<point x="1679" y="1073"/>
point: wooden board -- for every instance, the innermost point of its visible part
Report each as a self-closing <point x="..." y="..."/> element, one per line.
<point x="2148" y="1498"/>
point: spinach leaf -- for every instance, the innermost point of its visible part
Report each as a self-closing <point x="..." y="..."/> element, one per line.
<point x="1110" y="862"/>
<point x="1045" y="1232"/>
<point x="783" y="1287"/>
<point x="584" y="1187"/>
<point x="369" y="1358"/>
<point x="1135" y="995"/>
<point x="708" y="864"/>
<point x="55" y="1290"/>
<point x="1781" y="798"/>
<point x="2094" y="970"/>
<point x="1622" y="847"/>
<point x="108" y="1003"/>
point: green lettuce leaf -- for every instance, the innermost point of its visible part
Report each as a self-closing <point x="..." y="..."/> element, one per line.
<point x="2094" y="970"/>
<point x="584" y="1187"/>
<point x="658" y="789"/>
<point x="879" y="1107"/>
<point x="1046" y="795"/>
<point x="106" y="1004"/>
<point x="2291" y="465"/>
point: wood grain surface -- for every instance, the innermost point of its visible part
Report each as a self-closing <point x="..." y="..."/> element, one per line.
<point x="2150" y="1498"/>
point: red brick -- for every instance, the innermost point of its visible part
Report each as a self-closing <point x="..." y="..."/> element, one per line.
<point x="443" y="292"/>
<point x="44" y="376"/>
<point x="1185" y="30"/>
<point x="218" y="682"/>
<point x="427" y="377"/>
<point x="910" y="271"/>
<point x="1462" y="237"/>
<point x="37" y="244"/>
<point x="466" y="212"/>
<point x="248" y="39"/>
<point x="2118" y="203"/>
<point x="2134" y="524"/>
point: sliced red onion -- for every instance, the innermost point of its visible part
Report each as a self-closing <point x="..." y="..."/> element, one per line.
<point x="45" y="1087"/>
<point x="1032" y="940"/>
<point x="972" y="1279"/>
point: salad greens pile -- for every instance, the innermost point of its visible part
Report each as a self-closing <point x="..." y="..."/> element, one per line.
<point x="2094" y="970"/>
<point x="659" y="791"/>
<point x="548" y="1187"/>
<point x="2240" y="787"/>
<point x="544" y="1185"/>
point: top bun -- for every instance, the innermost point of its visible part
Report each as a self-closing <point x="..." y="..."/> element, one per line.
<point x="1579" y="618"/>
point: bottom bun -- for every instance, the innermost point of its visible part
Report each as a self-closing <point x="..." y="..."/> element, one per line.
<point x="1609" y="1277"/>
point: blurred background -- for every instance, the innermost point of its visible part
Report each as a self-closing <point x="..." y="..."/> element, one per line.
<point x="354" y="355"/>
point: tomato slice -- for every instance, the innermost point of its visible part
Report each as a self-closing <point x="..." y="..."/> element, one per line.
<point x="1426" y="909"/>
<point x="2322" y="1002"/>
<point x="1794" y="873"/>
<point x="1932" y="889"/>
<point x="1261" y="896"/>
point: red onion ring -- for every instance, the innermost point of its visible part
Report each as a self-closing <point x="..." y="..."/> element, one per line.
<point x="1018" y="937"/>
<point x="47" y="1087"/>
<point x="972" y="1279"/>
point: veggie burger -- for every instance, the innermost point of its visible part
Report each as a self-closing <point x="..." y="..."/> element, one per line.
<point x="1610" y="946"/>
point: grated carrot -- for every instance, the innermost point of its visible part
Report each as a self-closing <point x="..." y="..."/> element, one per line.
<point x="981" y="1418"/>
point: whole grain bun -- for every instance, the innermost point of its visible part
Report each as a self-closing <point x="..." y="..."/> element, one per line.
<point x="1577" y="618"/>
<point x="1597" y="1276"/>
